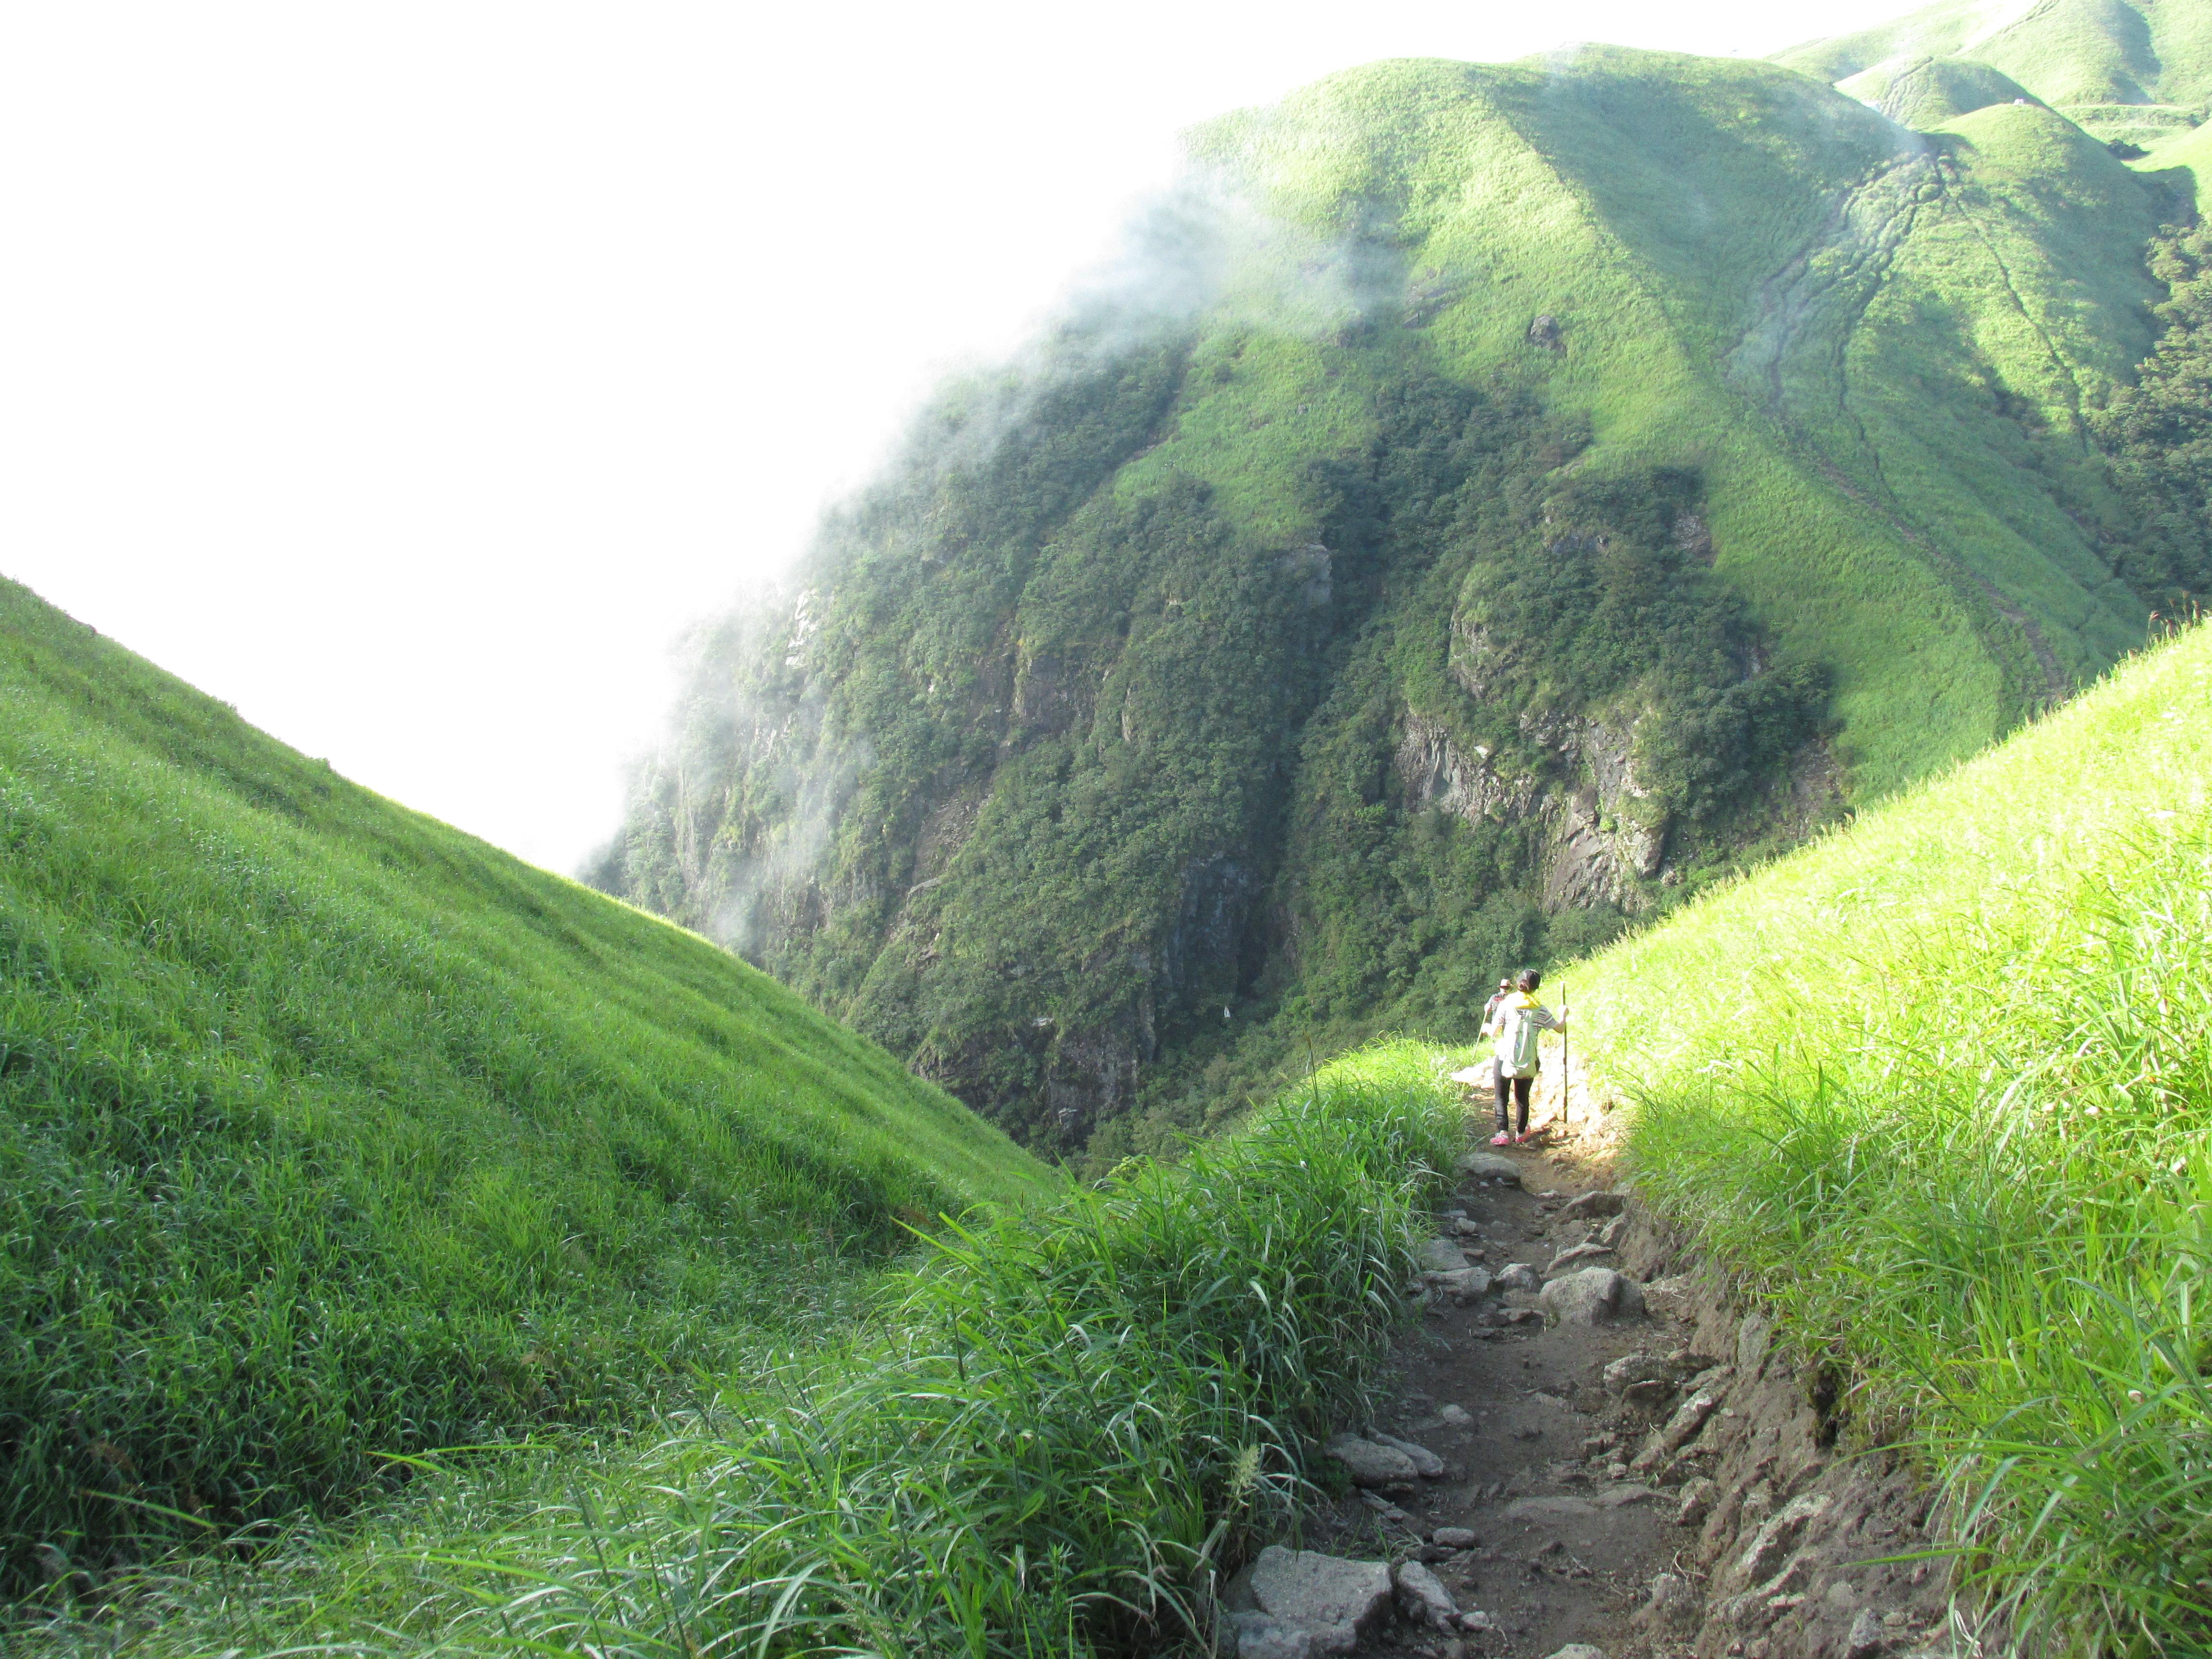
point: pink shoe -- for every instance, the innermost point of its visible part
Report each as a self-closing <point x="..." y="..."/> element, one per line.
<point x="1501" y="1139"/>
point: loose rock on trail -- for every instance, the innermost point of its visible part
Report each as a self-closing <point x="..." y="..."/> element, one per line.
<point x="1589" y="1454"/>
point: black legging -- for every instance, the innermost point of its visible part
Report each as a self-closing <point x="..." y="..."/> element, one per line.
<point x="1514" y="1089"/>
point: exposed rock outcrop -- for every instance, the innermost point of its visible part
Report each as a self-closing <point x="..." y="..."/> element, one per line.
<point x="1605" y="835"/>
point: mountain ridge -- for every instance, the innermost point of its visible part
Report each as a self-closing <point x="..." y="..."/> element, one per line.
<point x="1242" y="672"/>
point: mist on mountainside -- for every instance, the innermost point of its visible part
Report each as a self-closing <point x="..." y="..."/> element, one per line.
<point x="1486" y="505"/>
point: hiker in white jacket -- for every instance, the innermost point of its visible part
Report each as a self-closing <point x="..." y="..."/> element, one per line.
<point x="1515" y="1025"/>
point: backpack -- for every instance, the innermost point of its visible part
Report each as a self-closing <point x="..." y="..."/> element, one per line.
<point x="1518" y="1037"/>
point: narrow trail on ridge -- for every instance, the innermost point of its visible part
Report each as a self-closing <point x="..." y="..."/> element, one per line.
<point x="1517" y="1411"/>
<point x="1660" y="1480"/>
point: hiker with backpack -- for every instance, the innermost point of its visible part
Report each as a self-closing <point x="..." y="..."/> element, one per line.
<point x="1518" y="1020"/>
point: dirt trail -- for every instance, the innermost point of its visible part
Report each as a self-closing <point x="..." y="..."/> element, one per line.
<point x="1693" y="1502"/>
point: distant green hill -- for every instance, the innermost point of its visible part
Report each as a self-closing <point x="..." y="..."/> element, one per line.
<point x="2130" y="70"/>
<point x="327" y="1132"/>
<point x="1492" y="501"/>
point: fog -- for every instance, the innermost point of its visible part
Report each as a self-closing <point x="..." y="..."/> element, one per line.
<point x="412" y="376"/>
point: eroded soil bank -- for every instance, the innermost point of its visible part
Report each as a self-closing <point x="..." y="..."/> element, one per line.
<point x="1656" y="1483"/>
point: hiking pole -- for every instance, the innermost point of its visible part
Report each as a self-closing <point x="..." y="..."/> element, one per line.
<point x="1566" y="1080"/>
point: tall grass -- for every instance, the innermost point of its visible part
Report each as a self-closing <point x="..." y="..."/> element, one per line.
<point x="1941" y="1088"/>
<point x="1062" y="1429"/>
<point x="327" y="1132"/>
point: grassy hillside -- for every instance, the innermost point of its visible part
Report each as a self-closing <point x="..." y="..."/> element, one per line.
<point x="1497" y="499"/>
<point x="2129" y="70"/>
<point x="1940" y="1087"/>
<point x="1058" y="1436"/>
<point x="327" y="1132"/>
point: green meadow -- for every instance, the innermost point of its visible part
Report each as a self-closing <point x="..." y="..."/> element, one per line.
<point x="329" y="1134"/>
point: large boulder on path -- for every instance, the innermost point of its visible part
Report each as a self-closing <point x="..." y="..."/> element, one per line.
<point x="1331" y="1601"/>
<point x="1595" y="1295"/>
<point x="1489" y="1166"/>
<point x="1370" y="1462"/>
<point x="1440" y="1255"/>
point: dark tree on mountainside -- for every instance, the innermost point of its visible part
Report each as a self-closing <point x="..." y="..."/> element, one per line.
<point x="2159" y="433"/>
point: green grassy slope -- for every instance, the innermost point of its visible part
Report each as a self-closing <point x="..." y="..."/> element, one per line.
<point x="2128" y="69"/>
<point x="1875" y="355"/>
<point x="1064" y="1430"/>
<point x="326" y="1131"/>
<point x="1117" y="721"/>
<point x="1940" y="1087"/>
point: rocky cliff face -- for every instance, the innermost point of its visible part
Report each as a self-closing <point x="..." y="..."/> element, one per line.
<point x="1431" y="558"/>
<point x="1068" y="816"/>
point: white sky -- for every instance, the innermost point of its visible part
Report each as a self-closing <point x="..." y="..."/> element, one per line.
<point x="409" y="375"/>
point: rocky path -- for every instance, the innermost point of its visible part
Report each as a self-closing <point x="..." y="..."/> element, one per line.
<point x="1585" y="1453"/>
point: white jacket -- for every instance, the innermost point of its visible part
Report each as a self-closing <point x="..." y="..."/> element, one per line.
<point x="1517" y="1012"/>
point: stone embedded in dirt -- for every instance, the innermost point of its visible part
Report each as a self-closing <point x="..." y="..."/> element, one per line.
<point x="1465" y="1284"/>
<point x="1457" y="1415"/>
<point x="1672" y="1604"/>
<point x="1519" y="1276"/>
<point x="1648" y="1366"/>
<point x="1591" y="1205"/>
<point x="1489" y="1166"/>
<point x="1440" y="1255"/>
<point x="1455" y="1538"/>
<point x="1583" y="1252"/>
<point x="1371" y="1464"/>
<point x="1777" y="1538"/>
<point x="1383" y="1507"/>
<point x="1867" y="1636"/>
<point x="1697" y="1502"/>
<point x="1579" y="1651"/>
<point x="1426" y="1463"/>
<point x="1595" y="1295"/>
<point x="1681" y="1429"/>
<point x="1753" y="1338"/>
<point x="1619" y="1496"/>
<point x="1331" y="1600"/>
<point x="1609" y="1234"/>
<point x="1259" y="1637"/>
<point x="1422" y="1600"/>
